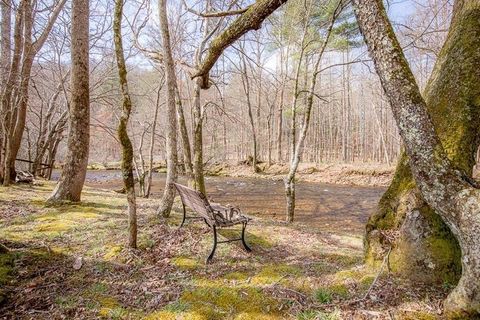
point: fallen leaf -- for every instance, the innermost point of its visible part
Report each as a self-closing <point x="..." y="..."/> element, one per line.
<point x="78" y="263"/>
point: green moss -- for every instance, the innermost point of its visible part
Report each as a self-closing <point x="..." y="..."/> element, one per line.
<point x="354" y="274"/>
<point x="239" y="276"/>
<point x="6" y="267"/>
<point x="275" y="273"/>
<point x="176" y="307"/>
<point x="339" y="290"/>
<point x="251" y="238"/>
<point x="145" y="241"/>
<point x="185" y="263"/>
<point x="112" y="252"/>
<point x="6" y="270"/>
<point x="366" y="282"/>
<point x="227" y="302"/>
<point x="169" y="315"/>
<point x="109" y="308"/>
<point x="257" y="316"/>
<point x="161" y="315"/>
<point x="319" y="315"/>
<point x="419" y="315"/>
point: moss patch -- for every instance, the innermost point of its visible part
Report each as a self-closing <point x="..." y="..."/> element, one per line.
<point x="275" y="273"/>
<point x="185" y="263"/>
<point x="225" y="302"/>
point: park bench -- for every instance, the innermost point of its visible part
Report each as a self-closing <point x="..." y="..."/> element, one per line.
<point x="213" y="214"/>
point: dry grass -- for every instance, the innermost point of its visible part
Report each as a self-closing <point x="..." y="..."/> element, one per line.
<point x="294" y="272"/>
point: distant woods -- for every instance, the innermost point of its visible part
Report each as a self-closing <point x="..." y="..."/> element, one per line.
<point x="351" y="122"/>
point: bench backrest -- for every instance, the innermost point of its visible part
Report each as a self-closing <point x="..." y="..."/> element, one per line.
<point x="195" y="200"/>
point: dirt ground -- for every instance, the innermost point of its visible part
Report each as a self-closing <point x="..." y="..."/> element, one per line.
<point x="70" y="261"/>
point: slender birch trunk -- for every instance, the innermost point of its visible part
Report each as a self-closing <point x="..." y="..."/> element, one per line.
<point x="172" y="161"/>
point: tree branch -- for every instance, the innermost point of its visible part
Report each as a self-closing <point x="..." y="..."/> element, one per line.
<point x="251" y="19"/>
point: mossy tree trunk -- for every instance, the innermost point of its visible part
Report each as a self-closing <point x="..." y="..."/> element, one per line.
<point x="444" y="186"/>
<point x="169" y="192"/>
<point x="425" y="248"/>
<point x="127" y="148"/>
<point x="75" y="169"/>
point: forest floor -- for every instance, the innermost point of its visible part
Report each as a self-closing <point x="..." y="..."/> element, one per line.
<point x="70" y="261"/>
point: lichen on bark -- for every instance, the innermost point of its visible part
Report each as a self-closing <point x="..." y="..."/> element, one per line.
<point x="425" y="248"/>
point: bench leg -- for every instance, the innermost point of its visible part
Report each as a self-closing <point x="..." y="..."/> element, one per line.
<point x="184" y="216"/>
<point x="210" y="257"/>
<point x="247" y="248"/>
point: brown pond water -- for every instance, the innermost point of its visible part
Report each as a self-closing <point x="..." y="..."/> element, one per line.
<point x="328" y="207"/>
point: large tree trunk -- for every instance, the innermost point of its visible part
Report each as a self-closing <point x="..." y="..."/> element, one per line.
<point x="8" y="111"/>
<point x="445" y="188"/>
<point x="169" y="192"/>
<point x="127" y="149"/>
<point x="5" y="60"/>
<point x="425" y="249"/>
<point x="74" y="171"/>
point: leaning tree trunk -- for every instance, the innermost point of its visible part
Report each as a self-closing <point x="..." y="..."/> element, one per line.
<point x="198" y="139"/>
<point x="443" y="186"/>
<point x="169" y="192"/>
<point x="75" y="169"/>
<point x="127" y="149"/>
<point x="187" y="153"/>
<point x="425" y="248"/>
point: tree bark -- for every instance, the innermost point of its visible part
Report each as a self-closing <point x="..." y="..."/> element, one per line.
<point x="74" y="171"/>
<point x="169" y="192"/>
<point x="251" y="19"/>
<point x="187" y="153"/>
<point x="5" y="60"/>
<point x="127" y="149"/>
<point x="198" y="139"/>
<point x="445" y="188"/>
<point x="9" y="112"/>
<point x="30" y="50"/>
<point x="426" y="249"/>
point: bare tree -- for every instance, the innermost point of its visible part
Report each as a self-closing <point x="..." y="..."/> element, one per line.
<point x="74" y="171"/>
<point x="16" y="88"/>
<point x="169" y="192"/>
<point x="127" y="149"/>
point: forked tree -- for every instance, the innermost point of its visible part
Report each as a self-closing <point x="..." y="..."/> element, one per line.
<point x="436" y="168"/>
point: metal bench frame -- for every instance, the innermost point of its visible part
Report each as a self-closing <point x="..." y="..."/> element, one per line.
<point x="214" y="215"/>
